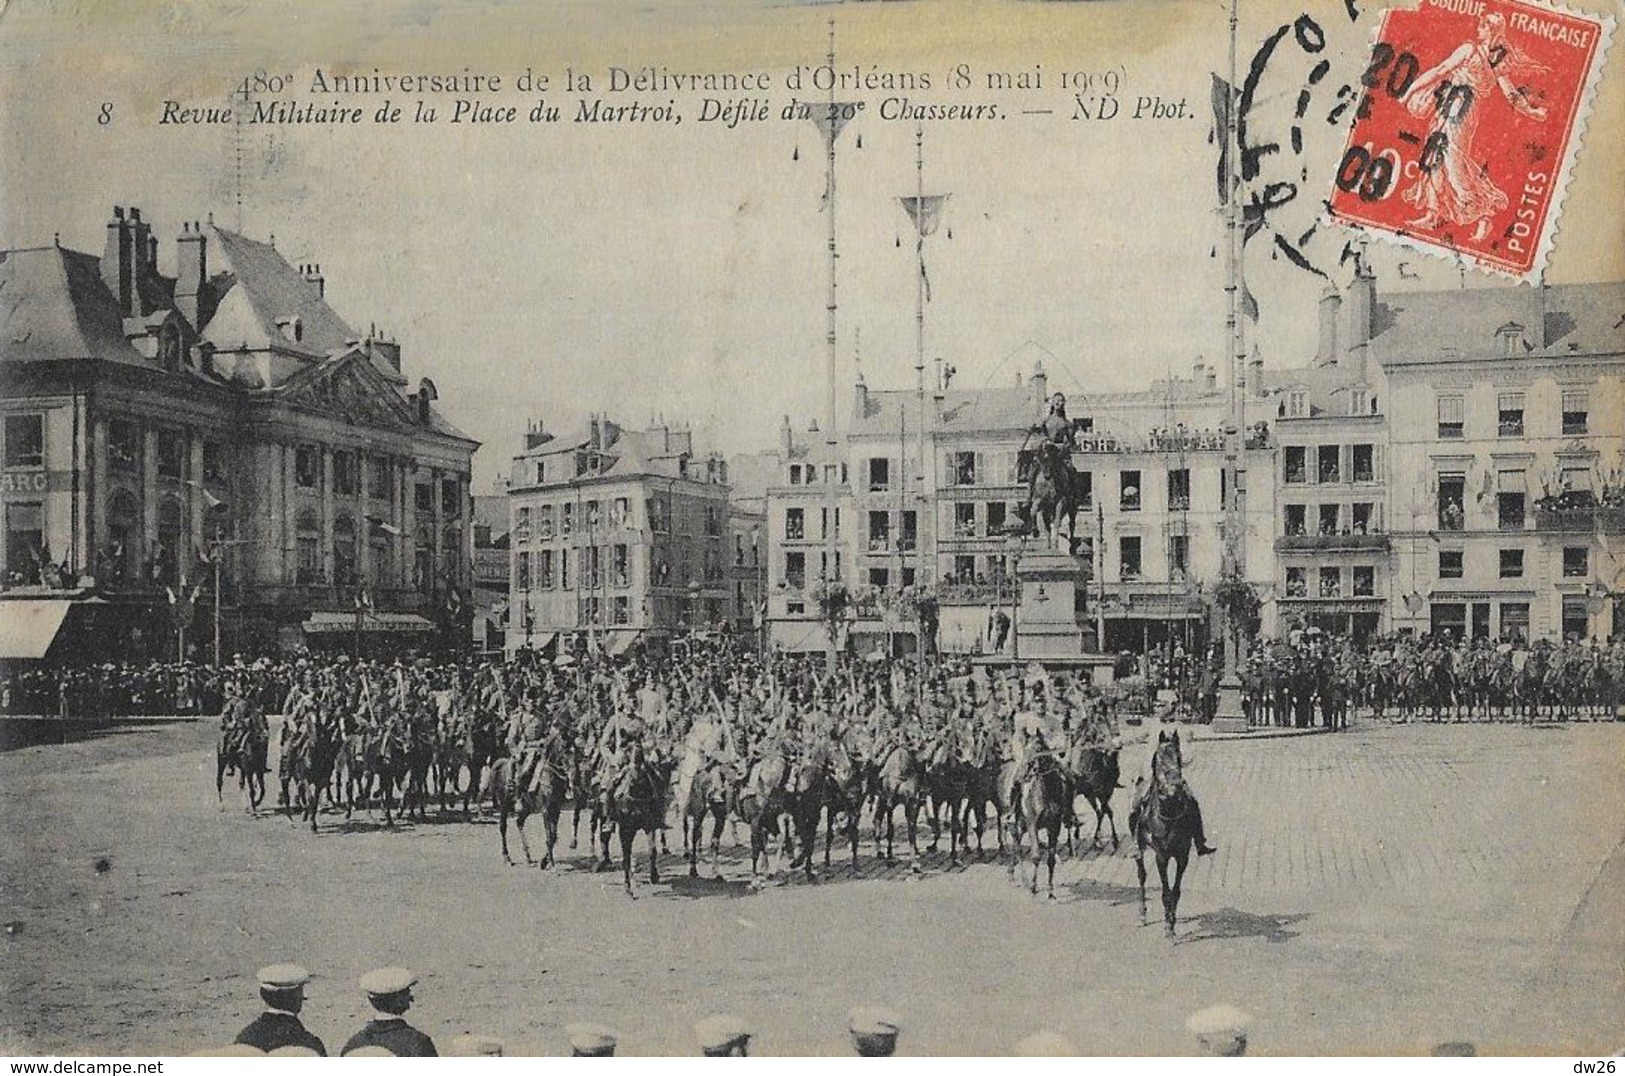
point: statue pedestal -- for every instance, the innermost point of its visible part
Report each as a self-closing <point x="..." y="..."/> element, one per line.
<point x="1047" y="619"/>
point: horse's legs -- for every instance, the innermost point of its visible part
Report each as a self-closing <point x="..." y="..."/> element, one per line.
<point x="502" y="825"/>
<point x="719" y="815"/>
<point x="654" y="851"/>
<point x="1054" y="839"/>
<point x="628" y="834"/>
<point x="1139" y="867"/>
<point x="911" y="816"/>
<point x="521" y="812"/>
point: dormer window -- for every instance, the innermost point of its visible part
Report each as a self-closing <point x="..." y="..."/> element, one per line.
<point x="1297" y="403"/>
<point x="1359" y="401"/>
<point x="426" y="395"/>
<point x="292" y="328"/>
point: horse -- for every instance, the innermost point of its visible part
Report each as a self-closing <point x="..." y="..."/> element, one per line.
<point x="1057" y="494"/>
<point x="1043" y="802"/>
<point x="948" y="779"/>
<point x="310" y="756"/>
<point x="1096" y="771"/>
<point x="899" y="782"/>
<point x="245" y="752"/>
<point x="702" y="792"/>
<point x="523" y="787"/>
<point x="759" y="801"/>
<point x="637" y="801"/>
<point x="1163" y="819"/>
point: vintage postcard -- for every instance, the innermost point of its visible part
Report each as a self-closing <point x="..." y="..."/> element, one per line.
<point x="811" y="528"/>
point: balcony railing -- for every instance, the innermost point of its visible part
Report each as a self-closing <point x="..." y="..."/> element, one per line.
<point x="972" y="593"/>
<point x="1331" y="542"/>
<point x="1609" y="519"/>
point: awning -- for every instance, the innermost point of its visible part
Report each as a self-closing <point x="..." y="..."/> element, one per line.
<point x="540" y="641"/>
<point x="620" y="642"/>
<point x="27" y="628"/>
<point x="338" y="623"/>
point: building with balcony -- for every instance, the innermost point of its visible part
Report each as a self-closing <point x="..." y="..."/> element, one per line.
<point x="617" y="535"/>
<point x="1508" y="479"/>
<point x="223" y="424"/>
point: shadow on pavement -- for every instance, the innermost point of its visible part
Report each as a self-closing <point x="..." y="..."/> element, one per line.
<point x="695" y="888"/>
<point x="18" y="733"/>
<point x="1235" y="923"/>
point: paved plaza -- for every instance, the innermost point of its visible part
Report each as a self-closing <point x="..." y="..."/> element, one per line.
<point x="1380" y="890"/>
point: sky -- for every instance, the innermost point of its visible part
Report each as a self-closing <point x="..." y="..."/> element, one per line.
<point x="551" y="271"/>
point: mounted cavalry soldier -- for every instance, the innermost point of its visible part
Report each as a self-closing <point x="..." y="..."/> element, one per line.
<point x="242" y="724"/>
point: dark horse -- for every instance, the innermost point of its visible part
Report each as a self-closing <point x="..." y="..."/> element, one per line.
<point x="1043" y="803"/>
<point x="535" y="783"/>
<point x="637" y="801"/>
<point x="1057" y="494"/>
<point x="310" y="757"/>
<point x="244" y="751"/>
<point x="1164" y="818"/>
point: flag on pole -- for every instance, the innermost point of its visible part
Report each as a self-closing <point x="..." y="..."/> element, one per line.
<point x="1223" y="97"/>
<point x="1249" y="305"/>
<point x="925" y="212"/>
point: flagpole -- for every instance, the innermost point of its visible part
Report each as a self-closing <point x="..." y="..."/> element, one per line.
<point x="1229" y="700"/>
<point x="829" y="176"/>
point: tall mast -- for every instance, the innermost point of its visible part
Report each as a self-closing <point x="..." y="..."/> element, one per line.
<point x="919" y="331"/>
<point x="829" y="179"/>
<point x="1229" y="701"/>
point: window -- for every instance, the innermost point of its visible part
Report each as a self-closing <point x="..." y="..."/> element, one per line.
<point x="1450" y="564"/>
<point x="1297" y="404"/>
<point x="564" y="569"/>
<point x="995" y="518"/>
<point x="1364" y="518"/>
<point x="621" y="610"/>
<point x="1576" y="411"/>
<point x="451" y="498"/>
<point x="910" y="532"/>
<point x="172" y="455"/>
<point x="1087" y="478"/>
<point x="378" y="478"/>
<point x="567" y="519"/>
<point x="1509" y="501"/>
<point x="713" y="521"/>
<point x="1363" y="462"/>
<point x="1296" y="464"/>
<point x="1515" y="620"/>
<point x="962" y="468"/>
<point x="1452" y="426"/>
<point x="795" y="524"/>
<point x="879" y="577"/>
<point x="592" y="567"/>
<point x="998" y="567"/>
<point x="215" y="462"/>
<point x="1179" y="553"/>
<point x="381" y="550"/>
<point x="879" y="474"/>
<point x="795" y="569"/>
<point x="1576" y="617"/>
<point x="344" y="473"/>
<point x="620" y="574"/>
<point x="1295" y="520"/>
<point x="544" y="522"/>
<point x="25" y="541"/>
<point x="964" y="519"/>
<point x="1576" y="562"/>
<point x="1128" y="557"/>
<point x="832" y="474"/>
<point x="1331" y="583"/>
<point x="795" y="474"/>
<point x="1452" y="493"/>
<point x="659" y="510"/>
<point x="1129" y="491"/>
<point x="124" y="445"/>
<point x="25" y="441"/>
<point x="344" y="552"/>
<point x="1326" y="522"/>
<point x="541" y="472"/>
<point x="308" y="545"/>
<point x="620" y="514"/>
<point x="1509" y="414"/>
<point x="1364" y="581"/>
<point x="1575" y="479"/>
<point x="307" y="467"/>
<point x="522" y="562"/>
<point x="1359" y="401"/>
<point x="879" y="530"/>
<point x="423" y="498"/>
<point x="1297" y="582"/>
<point x="1179" y="489"/>
<point x="964" y="568"/>
<point x="521" y="524"/>
<point x="1511" y="564"/>
<point x="1449" y="618"/>
<point x="1329" y="463"/>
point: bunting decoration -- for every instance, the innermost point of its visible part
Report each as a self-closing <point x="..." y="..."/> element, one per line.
<point x="925" y="212"/>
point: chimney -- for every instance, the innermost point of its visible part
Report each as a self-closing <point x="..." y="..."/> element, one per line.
<point x="786" y="437"/>
<point x="1358" y="312"/>
<point x="1210" y="380"/>
<point x="536" y="435"/>
<point x="192" y="270"/>
<point x="595" y="433"/>
<point x="1039" y="382"/>
<point x="1331" y="306"/>
<point x="1255" y="375"/>
<point x="313" y="276"/>
<point x="860" y="398"/>
<point x="140" y="247"/>
<point x="117" y="260"/>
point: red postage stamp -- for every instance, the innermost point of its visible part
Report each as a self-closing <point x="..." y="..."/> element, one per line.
<point x="1467" y="128"/>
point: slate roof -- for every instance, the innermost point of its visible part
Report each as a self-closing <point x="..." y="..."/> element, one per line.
<point x="1460" y="326"/>
<point x="54" y="305"/>
<point x="270" y="289"/>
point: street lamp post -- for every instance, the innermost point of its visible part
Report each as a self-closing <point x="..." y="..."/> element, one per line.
<point x="1013" y="544"/>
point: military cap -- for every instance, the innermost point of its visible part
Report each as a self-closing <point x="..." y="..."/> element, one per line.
<point x="721" y="1035"/>
<point x="371" y="1051"/>
<point x="1220" y="1030"/>
<point x="282" y="977"/>
<point x="590" y="1040"/>
<point x="292" y="1050"/>
<point x="1046" y="1044"/>
<point x="475" y="1046"/>
<point x="386" y="981"/>
<point x="874" y="1030"/>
